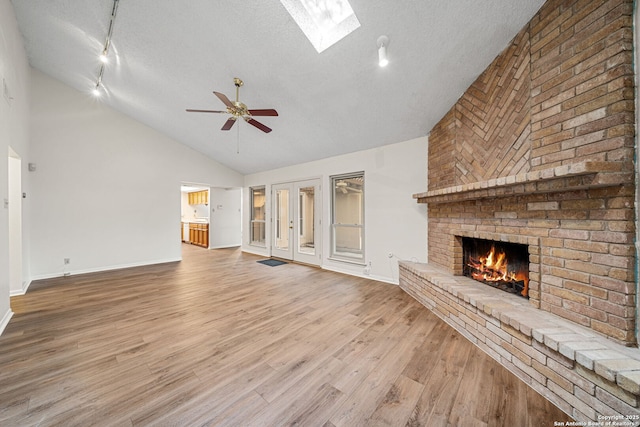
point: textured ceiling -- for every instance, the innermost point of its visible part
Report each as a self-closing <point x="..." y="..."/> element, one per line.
<point x="170" y="55"/>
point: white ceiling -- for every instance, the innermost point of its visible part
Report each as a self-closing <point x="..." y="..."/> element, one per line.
<point x="170" y="55"/>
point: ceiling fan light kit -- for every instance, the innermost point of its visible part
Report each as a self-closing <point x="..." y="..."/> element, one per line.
<point x="239" y="110"/>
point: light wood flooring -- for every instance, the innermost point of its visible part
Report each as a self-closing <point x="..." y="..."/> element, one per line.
<point x="219" y="339"/>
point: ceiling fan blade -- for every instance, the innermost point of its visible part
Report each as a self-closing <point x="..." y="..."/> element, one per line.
<point x="267" y="112"/>
<point x="223" y="98"/>
<point x="229" y="123"/>
<point x="257" y="124"/>
<point x="204" y="111"/>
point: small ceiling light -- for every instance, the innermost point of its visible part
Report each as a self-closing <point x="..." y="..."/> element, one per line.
<point x="96" y="91"/>
<point x="383" y="42"/>
<point x="104" y="58"/>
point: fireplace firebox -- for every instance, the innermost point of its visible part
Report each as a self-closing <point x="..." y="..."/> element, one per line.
<point x="502" y="265"/>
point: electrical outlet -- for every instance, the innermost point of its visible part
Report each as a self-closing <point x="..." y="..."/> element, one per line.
<point x="67" y="261"/>
<point x="367" y="269"/>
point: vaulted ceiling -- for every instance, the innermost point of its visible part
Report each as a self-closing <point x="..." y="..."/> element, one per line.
<point x="170" y="55"/>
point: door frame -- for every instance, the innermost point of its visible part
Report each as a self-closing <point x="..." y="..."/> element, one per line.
<point x="14" y="199"/>
<point x="293" y="253"/>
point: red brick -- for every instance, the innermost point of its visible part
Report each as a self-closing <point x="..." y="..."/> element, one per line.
<point x="616" y="285"/>
<point x="611" y="237"/>
<point x="578" y="318"/>
<point x="587" y="267"/>
<point x="599" y="146"/>
<point x="586" y="246"/>
<point x="612" y="261"/>
<point x="615" y="309"/>
<point x="611" y="331"/>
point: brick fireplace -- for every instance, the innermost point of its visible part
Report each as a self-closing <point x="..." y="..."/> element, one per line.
<point x="539" y="152"/>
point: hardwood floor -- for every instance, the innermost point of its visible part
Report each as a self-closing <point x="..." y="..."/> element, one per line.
<point x="219" y="339"/>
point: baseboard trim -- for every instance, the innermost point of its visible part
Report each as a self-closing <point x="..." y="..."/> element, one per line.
<point x="25" y="287"/>
<point x="258" y="251"/>
<point x="224" y="247"/>
<point x="5" y="320"/>
<point x="383" y="279"/>
<point x="364" y="276"/>
<point x="109" y="268"/>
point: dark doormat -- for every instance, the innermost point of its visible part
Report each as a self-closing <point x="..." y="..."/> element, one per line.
<point x="271" y="262"/>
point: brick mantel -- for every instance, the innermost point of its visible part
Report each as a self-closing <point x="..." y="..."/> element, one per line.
<point x="589" y="174"/>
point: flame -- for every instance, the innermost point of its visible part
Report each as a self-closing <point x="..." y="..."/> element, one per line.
<point x="494" y="268"/>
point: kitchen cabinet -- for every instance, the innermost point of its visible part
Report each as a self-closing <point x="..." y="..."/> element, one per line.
<point x="199" y="197"/>
<point x="199" y="234"/>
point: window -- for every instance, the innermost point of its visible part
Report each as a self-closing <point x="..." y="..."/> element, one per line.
<point x="257" y="216"/>
<point x="347" y="217"/>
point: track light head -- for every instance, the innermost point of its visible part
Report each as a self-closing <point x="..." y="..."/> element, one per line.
<point x="383" y="42"/>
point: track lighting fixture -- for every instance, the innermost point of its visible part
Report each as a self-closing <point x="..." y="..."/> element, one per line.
<point x="104" y="56"/>
<point x="383" y="42"/>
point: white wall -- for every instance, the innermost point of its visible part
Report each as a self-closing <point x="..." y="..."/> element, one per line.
<point x="394" y="222"/>
<point x="225" y="223"/>
<point x="14" y="116"/>
<point x="106" y="193"/>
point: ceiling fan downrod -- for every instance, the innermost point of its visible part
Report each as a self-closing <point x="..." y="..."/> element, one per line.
<point x="238" y="82"/>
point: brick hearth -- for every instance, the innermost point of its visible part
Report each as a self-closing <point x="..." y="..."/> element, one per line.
<point x="581" y="372"/>
<point x="539" y="151"/>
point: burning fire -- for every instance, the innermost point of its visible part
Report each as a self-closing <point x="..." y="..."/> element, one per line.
<point x="494" y="268"/>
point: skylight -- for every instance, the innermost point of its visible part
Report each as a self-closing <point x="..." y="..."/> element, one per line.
<point x="324" y="22"/>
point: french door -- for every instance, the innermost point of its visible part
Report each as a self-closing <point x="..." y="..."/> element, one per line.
<point x="296" y="221"/>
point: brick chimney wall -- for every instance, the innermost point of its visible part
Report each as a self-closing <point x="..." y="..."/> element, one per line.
<point x="540" y="149"/>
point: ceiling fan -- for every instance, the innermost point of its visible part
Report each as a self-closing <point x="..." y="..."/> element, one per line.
<point x="238" y="110"/>
<point x="345" y="187"/>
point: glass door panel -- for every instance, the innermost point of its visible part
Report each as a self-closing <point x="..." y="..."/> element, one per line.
<point x="308" y="211"/>
<point x="306" y="220"/>
<point x="282" y="219"/>
<point x="282" y="222"/>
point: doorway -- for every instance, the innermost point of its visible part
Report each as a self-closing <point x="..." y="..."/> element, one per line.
<point x="195" y="214"/>
<point x="296" y="221"/>
<point x="15" y="224"/>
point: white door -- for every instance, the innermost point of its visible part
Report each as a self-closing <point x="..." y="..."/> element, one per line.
<point x="282" y="246"/>
<point x="296" y="227"/>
